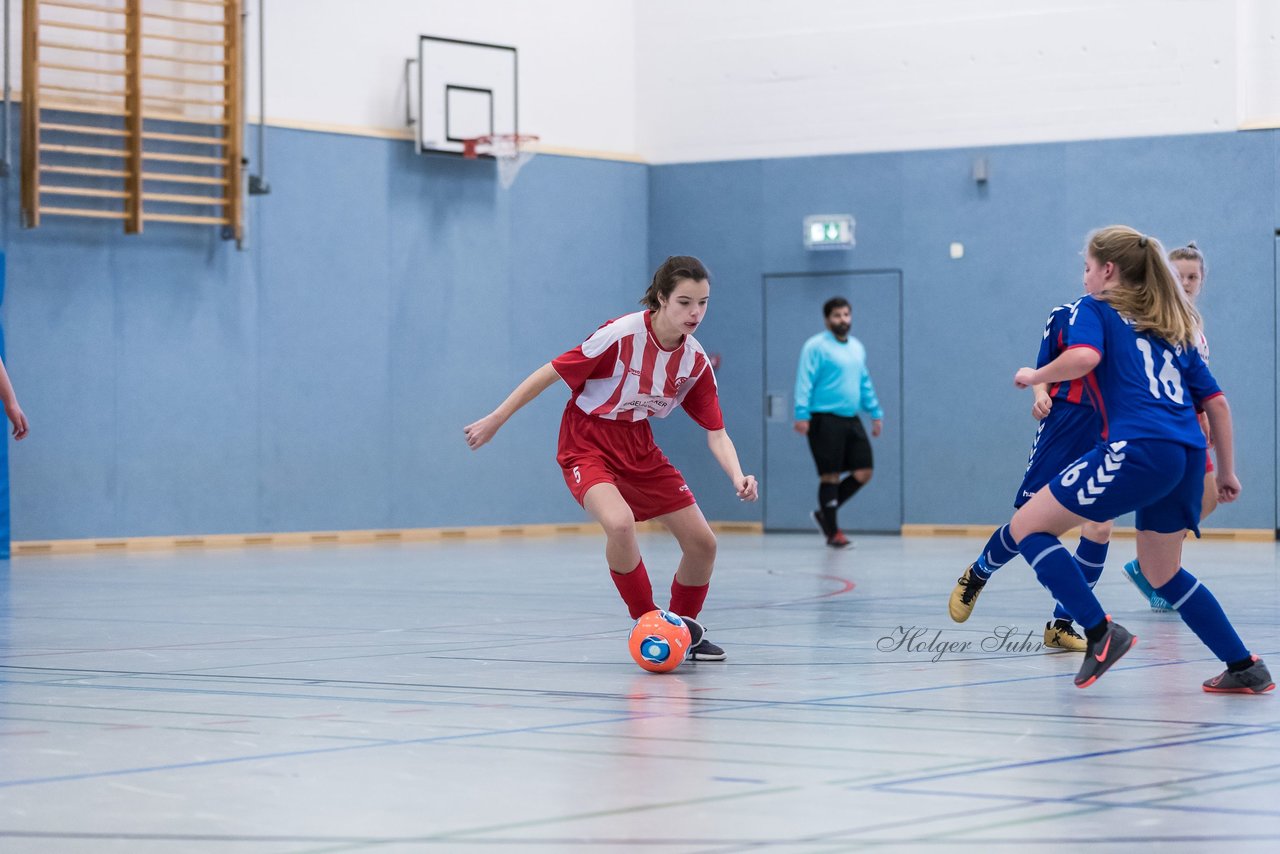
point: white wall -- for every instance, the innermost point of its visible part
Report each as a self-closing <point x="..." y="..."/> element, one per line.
<point x="679" y="80"/>
<point x="724" y="79"/>
<point x="1259" y="78"/>
<point x="339" y="62"/>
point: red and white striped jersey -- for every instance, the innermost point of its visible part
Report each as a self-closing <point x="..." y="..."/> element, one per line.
<point x="621" y="373"/>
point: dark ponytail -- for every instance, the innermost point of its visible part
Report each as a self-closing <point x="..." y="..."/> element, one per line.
<point x="671" y="273"/>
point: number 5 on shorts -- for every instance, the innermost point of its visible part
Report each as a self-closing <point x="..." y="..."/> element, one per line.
<point x="577" y="475"/>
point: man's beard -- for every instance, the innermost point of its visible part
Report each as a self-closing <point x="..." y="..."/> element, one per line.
<point x="840" y="330"/>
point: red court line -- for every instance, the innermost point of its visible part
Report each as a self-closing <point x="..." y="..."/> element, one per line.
<point x="845" y="586"/>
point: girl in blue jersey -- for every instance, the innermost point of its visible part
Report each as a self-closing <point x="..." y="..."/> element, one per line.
<point x="1188" y="263"/>
<point x="1069" y="428"/>
<point x="1136" y="334"/>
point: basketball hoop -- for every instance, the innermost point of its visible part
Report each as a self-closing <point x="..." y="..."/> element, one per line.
<point x="511" y="150"/>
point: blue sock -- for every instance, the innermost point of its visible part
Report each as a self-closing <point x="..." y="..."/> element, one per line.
<point x="1058" y="571"/>
<point x="1092" y="557"/>
<point x="1203" y="615"/>
<point x="998" y="551"/>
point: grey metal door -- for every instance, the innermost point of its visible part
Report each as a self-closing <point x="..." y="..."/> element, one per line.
<point x="793" y="313"/>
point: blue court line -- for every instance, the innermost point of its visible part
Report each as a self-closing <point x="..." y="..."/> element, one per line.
<point x="462" y="703"/>
<point x="1093" y="799"/>
<point x="819" y="701"/>
<point x="615" y="719"/>
<point x="429" y="703"/>
<point x="76" y="678"/>
<point x="189" y="645"/>
<point x="67" y="674"/>
<point x="403" y="645"/>
<point x="1119" y="751"/>
<point x="81" y="683"/>
<point x="978" y="684"/>
<point x="857" y="836"/>
<point x="957" y="836"/>
<point x="553" y="727"/>
<point x="649" y="842"/>
<point x="1184" y="780"/>
<point x="980" y="714"/>
<point x="81" y="675"/>
<point x="830" y="702"/>
<point x="231" y="760"/>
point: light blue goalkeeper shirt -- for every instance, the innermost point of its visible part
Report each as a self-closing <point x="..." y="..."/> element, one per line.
<point x="833" y="378"/>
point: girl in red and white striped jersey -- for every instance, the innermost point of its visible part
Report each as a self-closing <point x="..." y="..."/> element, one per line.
<point x="636" y="367"/>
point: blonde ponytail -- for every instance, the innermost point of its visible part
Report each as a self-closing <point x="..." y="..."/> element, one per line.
<point x="1148" y="292"/>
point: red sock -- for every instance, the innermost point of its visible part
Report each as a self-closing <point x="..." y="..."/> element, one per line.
<point x="635" y="589"/>
<point x="687" y="601"/>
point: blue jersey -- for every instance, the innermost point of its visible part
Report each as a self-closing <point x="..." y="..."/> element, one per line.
<point x="1052" y="344"/>
<point x="1144" y="387"/>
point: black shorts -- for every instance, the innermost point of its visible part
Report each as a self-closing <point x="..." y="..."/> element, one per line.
<point x="838" y="444"/>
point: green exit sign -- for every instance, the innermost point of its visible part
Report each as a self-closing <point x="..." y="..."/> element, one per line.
<point x="828" y="231"/>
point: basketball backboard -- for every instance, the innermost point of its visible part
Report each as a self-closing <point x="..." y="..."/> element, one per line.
<point x="465" y="90"/>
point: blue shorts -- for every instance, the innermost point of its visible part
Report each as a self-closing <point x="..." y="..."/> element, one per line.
<point x="1163" y="481"/>
<point x="1067" y="433"/>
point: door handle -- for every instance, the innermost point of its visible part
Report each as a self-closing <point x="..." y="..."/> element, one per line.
<point x="775" y="407"/>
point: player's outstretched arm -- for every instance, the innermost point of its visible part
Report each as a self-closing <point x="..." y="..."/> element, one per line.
<point x="727" y="456"/>
<point x="1219" y="413"/>
<point x="480" y="432"/>
<point x="1071" y="365"/>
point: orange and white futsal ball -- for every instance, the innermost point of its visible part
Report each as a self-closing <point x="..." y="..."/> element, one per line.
<point x="659" y="641"/>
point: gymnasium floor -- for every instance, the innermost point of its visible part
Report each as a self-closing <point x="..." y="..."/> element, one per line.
<point x="478" y="696"/>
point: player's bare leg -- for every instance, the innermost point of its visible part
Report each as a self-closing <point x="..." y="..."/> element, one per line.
<point x="1160" y="555"/>
<point x="607" y="506"/>
<point x="693" y="576"/>
<point x="697" y="544"/>
<point x="1136" y="570"/>
<point x="627" y="571"/>
<point x="1043" y="513"/>
<point x="1209" y="502"/>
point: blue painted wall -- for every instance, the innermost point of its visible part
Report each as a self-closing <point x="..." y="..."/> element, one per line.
<point x="321" y="379"/>
<point x="970" y="323"/>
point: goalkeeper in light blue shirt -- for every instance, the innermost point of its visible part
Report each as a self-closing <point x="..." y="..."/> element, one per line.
<point x="832" y="388"/>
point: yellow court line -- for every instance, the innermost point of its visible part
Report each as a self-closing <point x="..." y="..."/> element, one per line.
<point x="1251" y="535"/>
<point x="34" y="548"/>
<point x="29" y="548"/>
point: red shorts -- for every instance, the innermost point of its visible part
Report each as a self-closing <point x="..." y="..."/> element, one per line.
<point x="596" y="450"/>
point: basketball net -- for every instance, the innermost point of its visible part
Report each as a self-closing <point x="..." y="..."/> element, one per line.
<point x="511" y="150"/>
